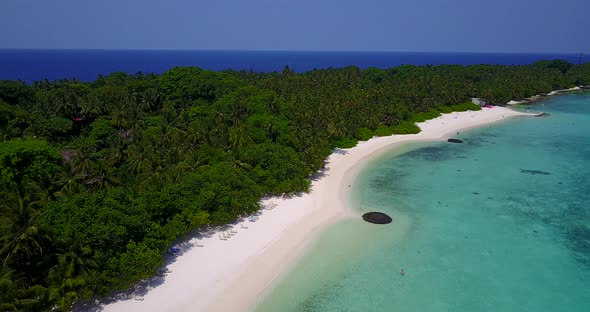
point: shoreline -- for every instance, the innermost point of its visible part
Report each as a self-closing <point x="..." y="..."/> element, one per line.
<point x="244" y="268"/>
<point x="539" y="97"/>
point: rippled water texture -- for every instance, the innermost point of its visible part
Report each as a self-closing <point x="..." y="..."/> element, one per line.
<point x="498" y="223"/>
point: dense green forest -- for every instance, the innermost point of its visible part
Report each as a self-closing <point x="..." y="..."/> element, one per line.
<point x="98" y="179"/>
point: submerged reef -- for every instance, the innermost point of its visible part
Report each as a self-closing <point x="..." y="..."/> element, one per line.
<point x="377" y="218"/>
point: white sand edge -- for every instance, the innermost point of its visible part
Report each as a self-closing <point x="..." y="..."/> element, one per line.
<point x="233" y="274"/>
<point x="539" y="96"/>
<point x="564" y="90"/>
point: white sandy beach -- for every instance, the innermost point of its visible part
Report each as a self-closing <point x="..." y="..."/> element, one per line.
<point x="564" y="90"/>
<point x="232" y="274"/>
<point x="540" y="97"/>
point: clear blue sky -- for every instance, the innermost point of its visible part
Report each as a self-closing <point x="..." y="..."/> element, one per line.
<point x="311" y="25"/>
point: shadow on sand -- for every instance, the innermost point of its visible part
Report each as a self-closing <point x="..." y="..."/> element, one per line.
<point x="175" y="251"/>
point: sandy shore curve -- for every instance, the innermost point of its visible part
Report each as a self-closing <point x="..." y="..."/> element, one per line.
<point x="232" y="270"/>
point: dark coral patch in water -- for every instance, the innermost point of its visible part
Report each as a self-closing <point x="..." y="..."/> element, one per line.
<point x="534" y="172"/>
<point x="579" y="237"/>
<point x="431" y="153"/>
<point x="377" y="218"/>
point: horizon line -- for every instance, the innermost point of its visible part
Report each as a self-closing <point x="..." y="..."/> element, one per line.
<point x="288" y="51"/>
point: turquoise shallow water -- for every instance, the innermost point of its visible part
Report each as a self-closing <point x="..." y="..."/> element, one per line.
<point x="499" y="223"/>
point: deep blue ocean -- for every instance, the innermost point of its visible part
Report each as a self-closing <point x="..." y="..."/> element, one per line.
<point x="86" y="65"/>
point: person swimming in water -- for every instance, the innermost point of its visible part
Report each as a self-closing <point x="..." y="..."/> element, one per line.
<point x="402" y="272"/>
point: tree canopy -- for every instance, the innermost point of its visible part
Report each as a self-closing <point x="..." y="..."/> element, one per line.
<point x="98" y="179"/>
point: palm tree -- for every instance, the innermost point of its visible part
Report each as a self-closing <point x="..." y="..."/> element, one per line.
<point x="71" y="187"/>
<point x="102" y="176"/>
<point x="22" y="239"/>
<point x="93" y="108"/>
<point x="70" y="184"/>
<point x="238" y="112"/>
<point x="11" y="289"/>
<point x="138" y="161"/>
<point x="170" y="136"/>
<point x="155" y="182"/>
<point x="239" y="137"/>
<point x="67" y="277"/>
<point x="195" y="133"/>
<point x="151" y="99"/>
<point x="62" y="102"/>
<point x="36" y="299"/>
<point x="47" y="185"/>
<point x="120" y="118"/>
<point x="244" y="166"/>
<point x="83" y="158"/>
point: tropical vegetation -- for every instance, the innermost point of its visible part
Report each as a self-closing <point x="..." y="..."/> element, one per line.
<point x="99" y="178"/>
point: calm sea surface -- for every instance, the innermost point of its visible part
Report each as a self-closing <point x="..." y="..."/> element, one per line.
<point x="499" y="223"/>
<point x="86" y="65"/>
